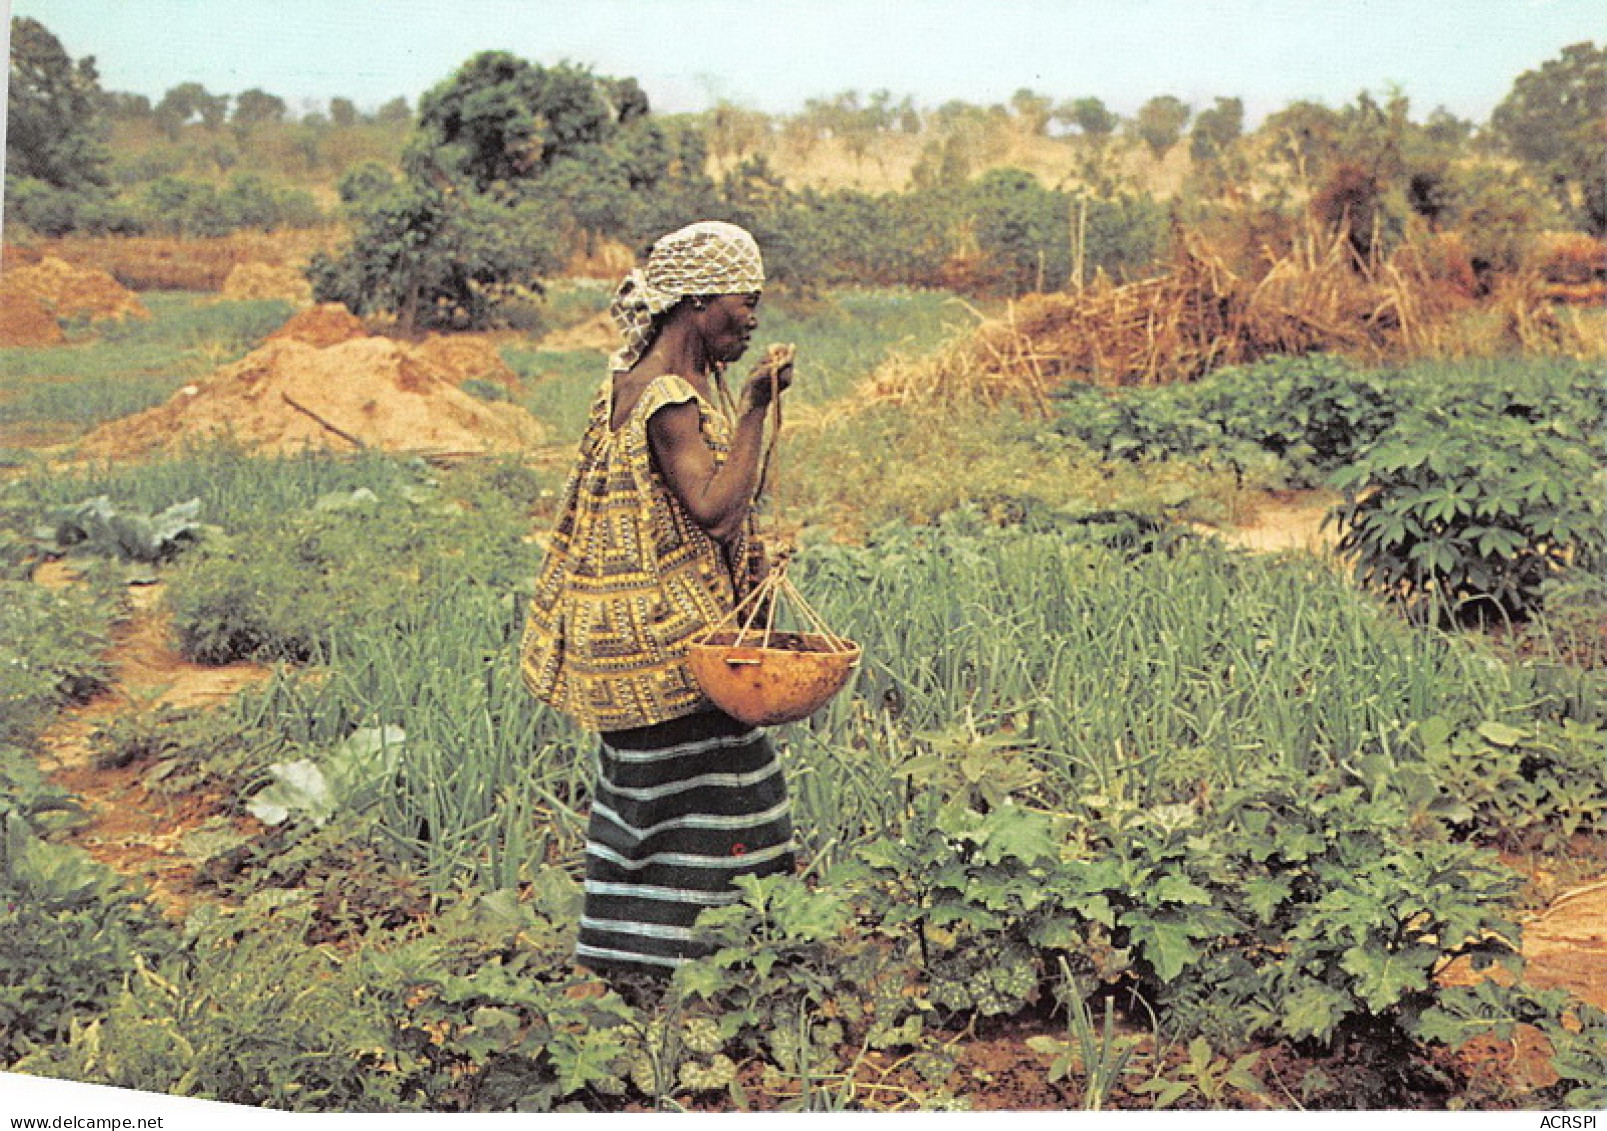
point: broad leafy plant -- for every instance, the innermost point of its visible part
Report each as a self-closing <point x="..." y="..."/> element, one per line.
<point x="1470" y="512"/>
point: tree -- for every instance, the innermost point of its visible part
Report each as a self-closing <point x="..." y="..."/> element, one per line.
<point x="734" y="133"/>
<point x="124" y="107"/>
<point x="54" y="128"/>
<point x="1089" y="116"/>
<point x="1032" y="110"/>
<point x="394" y="112"/>
<point x="187" y="101"/>
<point x="501" y="119"/>
<point x="1022" y="229"/>
<point x="1160" y="123"/>
<point x="343" y="112"/>
<point x="507" y="161"/>
<point x="257" y="108"/>
<point x="1553" y="121"/>
<point x="436" y="258"/>
<point x="1305" y="134"/>
<point x="1216" y="129"/>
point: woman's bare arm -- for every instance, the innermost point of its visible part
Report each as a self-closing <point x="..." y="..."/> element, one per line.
<point x="718" y="498"/>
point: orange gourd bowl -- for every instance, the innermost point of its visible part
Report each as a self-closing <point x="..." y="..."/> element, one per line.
<point x="771" y="679"/>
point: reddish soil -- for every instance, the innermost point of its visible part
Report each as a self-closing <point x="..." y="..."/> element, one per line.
<point x="129" y="828"/>
<point x="24" y="321"/>
<point x="597" y="333"/>
<point x="327" y="324"/>
<point x="1566" y="944"/>
<point x="67" y="291"/>
<point x="289" y="396"/>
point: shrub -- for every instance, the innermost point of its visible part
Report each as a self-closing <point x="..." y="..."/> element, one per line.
<point x="50" y="652"/>
<point x="1467" y="510"/>
<point x="52" y="211"/>
<point x="437" y="260"/>
<point x="73" y="933"/>
<point x="473" y="1013"/>
<point x="1304" y="416"/>
<point x="182" y="207"/>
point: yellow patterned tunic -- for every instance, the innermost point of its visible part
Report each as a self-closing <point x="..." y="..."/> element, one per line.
<point x="629" y="577"/>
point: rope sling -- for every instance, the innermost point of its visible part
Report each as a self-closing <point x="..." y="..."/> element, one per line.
<point x="748" y="668"/>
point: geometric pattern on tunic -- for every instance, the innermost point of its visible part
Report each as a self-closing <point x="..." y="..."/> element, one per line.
<point x="629" y="577"/>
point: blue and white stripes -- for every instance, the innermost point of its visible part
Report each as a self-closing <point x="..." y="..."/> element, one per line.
<point x="679" y="810"/>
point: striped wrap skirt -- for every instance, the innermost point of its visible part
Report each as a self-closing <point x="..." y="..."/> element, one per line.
<point x="679" y="810"/>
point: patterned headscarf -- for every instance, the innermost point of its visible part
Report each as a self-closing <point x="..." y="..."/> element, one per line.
<point x="707" y="258"/>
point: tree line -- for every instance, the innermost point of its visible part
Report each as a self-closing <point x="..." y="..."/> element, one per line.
<point x="506" y="167"/>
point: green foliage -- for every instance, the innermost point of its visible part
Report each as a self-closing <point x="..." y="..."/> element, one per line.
<point x="780" y="984"/>
<point x="1211" y="1078"/>
<point x="466" y="1014"/>
<point x="1469" y="507"/>
<point x="316" y="791"/>
<point x="1551" y="120"/>
<point x="436" y="259"/>
<point x="508" y="158"/>
<point x="96" y="526"/>
<point x="53" y="211"/>
<point x="1297" y="419"/>
<point x="1023" y="230"/>
<point x="1101" y="1057"/>
<point x="1352" y="913"/>
<point x="54" y="131"/>
<point x="975" y="892"/>
<point x="73" y="933"/>
<point x="1216" y="128"/>
<point x="1159" y="123"/>
<point x="1003" y="233"/>
<point x="286" y="588"/>
<point x="50" y="652"/>
<point x="1536" y="785"/>
<point x="182" y="207"/>
<point x="500" y="119"/>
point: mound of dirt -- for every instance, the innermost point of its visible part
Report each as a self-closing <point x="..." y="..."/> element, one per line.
<point x="24" y="321"/>
<point x="326" y="324"/>
<point x="289" y="396"/>
<point x="266" y="281"/>
<point x="66" y="291"/>
<point x="597" y="333"/>
<point x="464" y="357"/>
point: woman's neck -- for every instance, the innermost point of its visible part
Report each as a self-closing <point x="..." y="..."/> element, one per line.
<point x="679" y="351"/>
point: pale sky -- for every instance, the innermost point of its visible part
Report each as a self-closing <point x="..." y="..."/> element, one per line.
<point x="772" y="55"/>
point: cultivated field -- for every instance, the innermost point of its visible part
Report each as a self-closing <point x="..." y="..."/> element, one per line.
<point x="1222" y="516"/>
<point x="1115" y="813"/>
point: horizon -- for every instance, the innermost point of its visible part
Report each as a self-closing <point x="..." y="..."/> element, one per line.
<point x="1268" y="54"/>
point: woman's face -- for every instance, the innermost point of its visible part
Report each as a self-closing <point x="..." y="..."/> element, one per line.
<point x="728" y="324"/>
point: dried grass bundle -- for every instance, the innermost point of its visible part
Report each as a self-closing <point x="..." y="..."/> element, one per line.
<point x="1201" y="316"/>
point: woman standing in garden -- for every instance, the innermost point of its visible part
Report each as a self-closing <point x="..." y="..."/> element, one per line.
<point x="653" y="544"/>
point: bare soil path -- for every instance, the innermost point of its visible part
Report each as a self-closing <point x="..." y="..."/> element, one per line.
<point x="129" y="828"/>
<point x="1282" y="521"/>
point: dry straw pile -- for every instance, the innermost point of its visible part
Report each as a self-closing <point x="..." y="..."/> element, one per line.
<point x="1200" y="316"/>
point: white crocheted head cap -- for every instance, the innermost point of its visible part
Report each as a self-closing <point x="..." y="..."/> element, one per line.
<point x="710" y="257"/>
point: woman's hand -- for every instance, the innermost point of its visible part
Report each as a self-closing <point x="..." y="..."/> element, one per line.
<point x="772" y="373"/>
